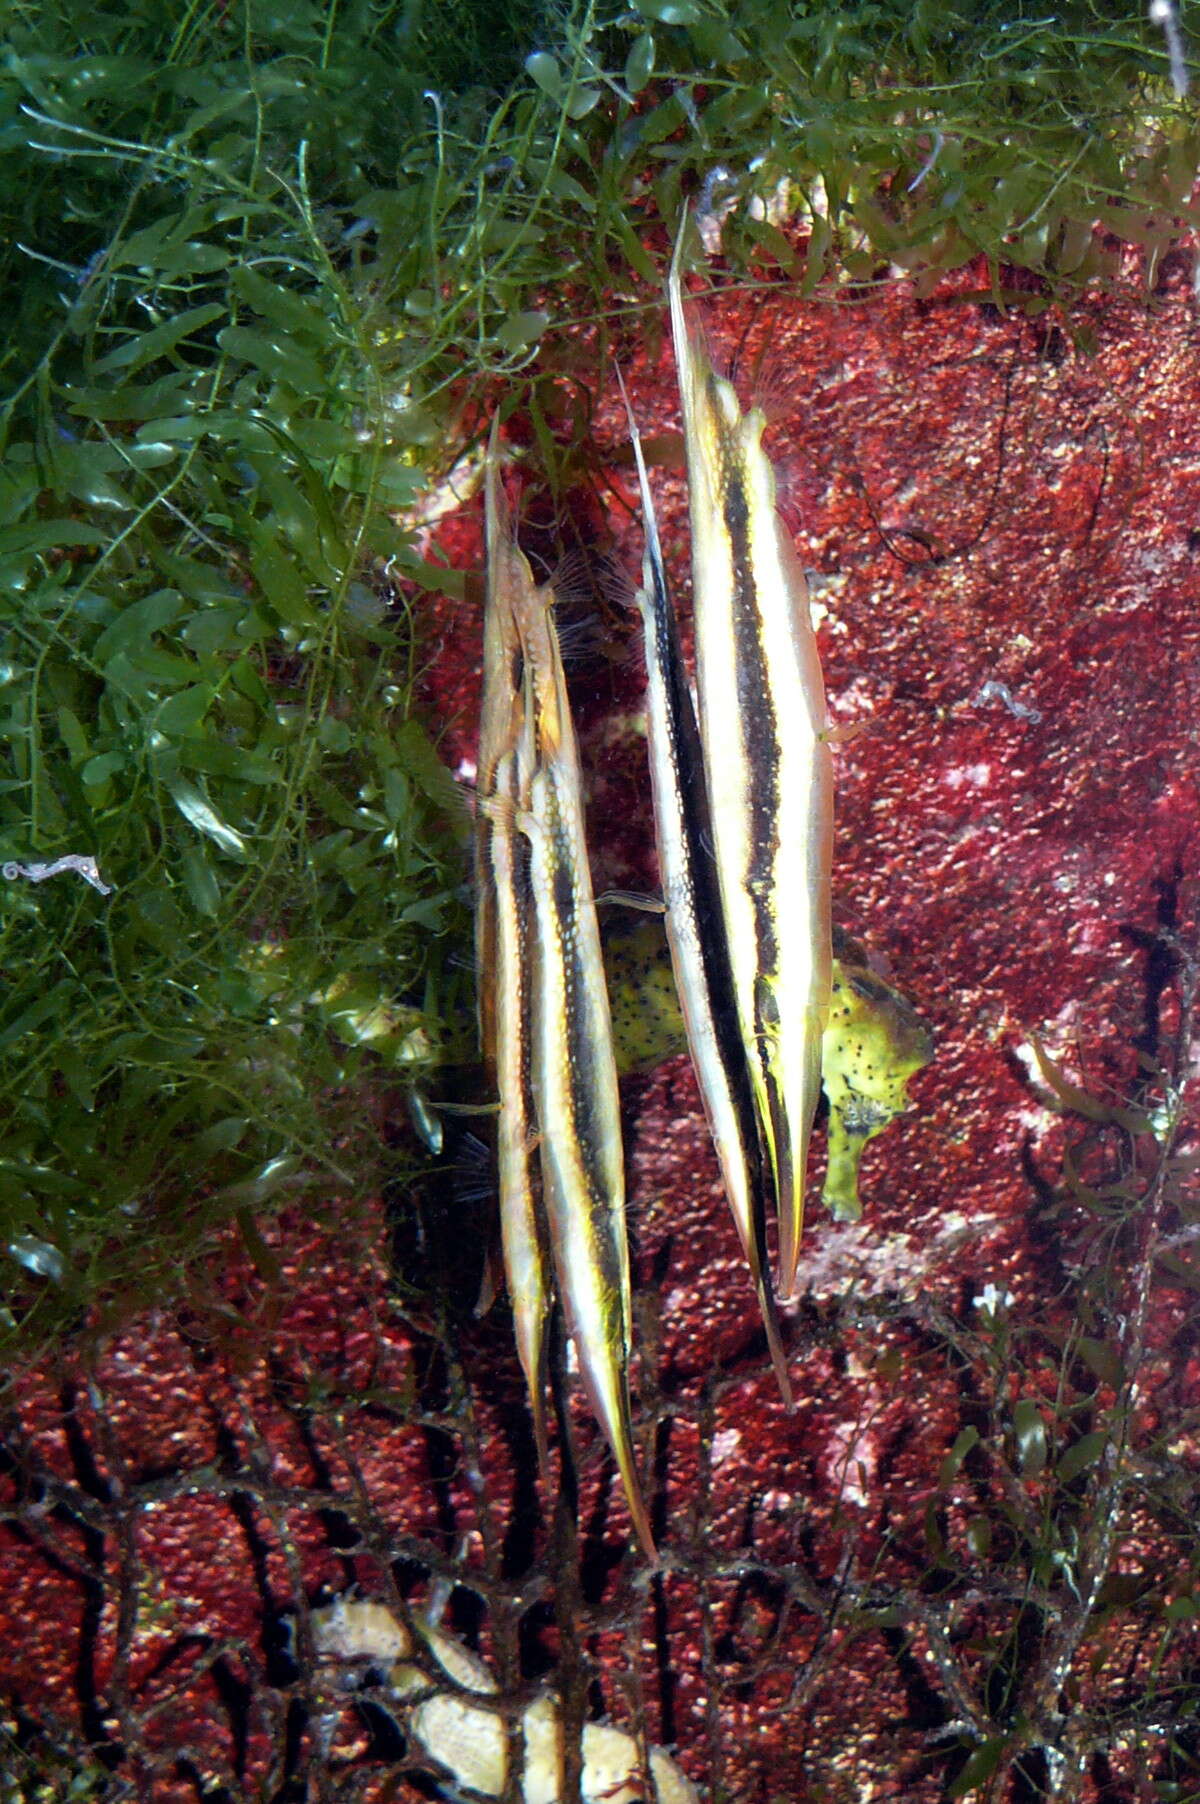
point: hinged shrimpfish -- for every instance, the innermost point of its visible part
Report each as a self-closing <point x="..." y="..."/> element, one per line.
<point x="692" y="915"/>
<point x="570" y="1052"/>
<point x="766" y="760"/>
<point x="504" y="941"/>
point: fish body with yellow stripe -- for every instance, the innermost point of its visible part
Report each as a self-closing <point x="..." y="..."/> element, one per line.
<point x="767" y="764"/>
<point x="692" y="916"/>
<point x="574" y="1067"/>
<point x="502" y="706"/>
<point x="504" y="942"/>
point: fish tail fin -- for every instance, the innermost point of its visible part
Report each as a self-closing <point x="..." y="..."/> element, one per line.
<point x="840" y="1194"/>
<point x="495" y="507"/>
<point x="675" y="273"/>
<point x="506" y="562"/>
<point x="690" y="367"/>
<point x="653" y="574"/>
<point x="507" y="565"/>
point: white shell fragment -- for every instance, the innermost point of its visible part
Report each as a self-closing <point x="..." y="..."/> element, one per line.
<point x="470" y="1738"/>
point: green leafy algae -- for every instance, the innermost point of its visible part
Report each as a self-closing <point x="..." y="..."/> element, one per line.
<point x="261" y="268"/>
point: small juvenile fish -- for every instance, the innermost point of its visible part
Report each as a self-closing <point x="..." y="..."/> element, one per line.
<point x="504" y="942"/>
<point x="646" y="1017"/>
<point x="574" y="1070"/>
<point x="84" y="867"/>
<point x="767" y="763"/>
<point x="874" y="1041"/>
<point x="691" y="894"/>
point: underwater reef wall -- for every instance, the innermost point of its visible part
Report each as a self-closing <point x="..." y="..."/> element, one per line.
<point x="973" y="1540"/>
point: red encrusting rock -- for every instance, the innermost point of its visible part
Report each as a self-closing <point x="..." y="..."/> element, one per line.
<point x="1004" y="529"/>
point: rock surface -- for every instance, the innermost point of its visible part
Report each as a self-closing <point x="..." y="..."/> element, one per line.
<point x="1002" y="515"/>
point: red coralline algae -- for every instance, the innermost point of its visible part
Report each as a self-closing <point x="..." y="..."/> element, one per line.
<point x="1001" y="516"/>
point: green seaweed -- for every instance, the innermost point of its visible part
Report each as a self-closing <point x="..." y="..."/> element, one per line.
<point x="261" y="268"/>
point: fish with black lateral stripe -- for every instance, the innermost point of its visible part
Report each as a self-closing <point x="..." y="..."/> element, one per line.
<point x="695" y="934"/>
<point x="504" y="939"/>
<point x="573" y="1067"/>
<point x="767" y="764"/>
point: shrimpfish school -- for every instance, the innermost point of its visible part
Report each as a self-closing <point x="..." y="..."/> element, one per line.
<point x="742" y="790"/>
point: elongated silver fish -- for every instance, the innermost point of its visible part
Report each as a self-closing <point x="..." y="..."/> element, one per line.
<point x="574" y="1070"/>
<point x="499" y="709"/>
<point x="504" y="941"/>
<point x="767" y="764"/>
<point x="695" y="930"/>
